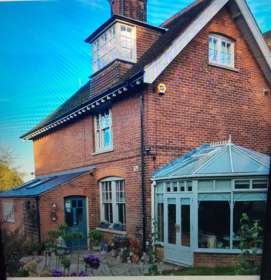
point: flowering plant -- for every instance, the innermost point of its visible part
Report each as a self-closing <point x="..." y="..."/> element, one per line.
<point x="92" y="261"/>
<point x="57" y="273"/>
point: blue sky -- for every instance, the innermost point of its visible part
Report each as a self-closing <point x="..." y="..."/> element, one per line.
<point x="44" y="59"/>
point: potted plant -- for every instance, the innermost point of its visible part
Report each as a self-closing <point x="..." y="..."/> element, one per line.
<point x="104" y="225"/>
<point x="95" y="237"/>
<point x="117" y="226"/>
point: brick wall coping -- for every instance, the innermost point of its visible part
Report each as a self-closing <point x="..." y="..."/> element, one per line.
<point x="150" y="278"/>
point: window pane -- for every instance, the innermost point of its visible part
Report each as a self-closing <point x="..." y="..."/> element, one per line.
<point x="172" y="223"/>
<point x="255" y="211"/>
<point x="68" y="219"/>
<point x="185" y="226"/>
<point x="122" y="214"/>
<point x="241" y="184"/>
<point x="107" y="137"/>
<point x="108" y="214"/>
<point x="214" y="225"/>
<point x="259" y="184"/>
<point x="160" y="221"/>
<point x="213" y="49"/>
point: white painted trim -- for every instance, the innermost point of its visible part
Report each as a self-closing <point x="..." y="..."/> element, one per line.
<point x="153" y="205"/>
<point x="253" y="26"/>
<point x="88" y="230"/>
<point x="154" y="69"/>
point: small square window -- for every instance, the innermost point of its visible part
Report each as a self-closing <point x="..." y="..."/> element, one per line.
<point x="221" y="50"/>
<point x="189" y="186"/>
<point x="259" y="184"/>
<point x="8" y="212"/>
<point x="242" y="184"/>
<point x="182" y="186"/>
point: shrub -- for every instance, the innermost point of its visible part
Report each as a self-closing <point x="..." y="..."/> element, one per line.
<point x="95" y="237"/>
<point x="250" y="242"/>
<point x="16" y="246"/>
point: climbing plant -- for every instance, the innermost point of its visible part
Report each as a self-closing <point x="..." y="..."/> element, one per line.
<point x="250" y="242"/>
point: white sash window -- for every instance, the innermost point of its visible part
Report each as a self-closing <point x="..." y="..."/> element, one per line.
<point x="113" y="202"/>
<point x="221" y="51"/>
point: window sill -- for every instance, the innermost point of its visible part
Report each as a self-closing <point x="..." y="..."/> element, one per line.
<point x="103" y="151"/>
<point x="112" y="231"/>
<point x="10" y="222"/>
<point x="224" y="67"/>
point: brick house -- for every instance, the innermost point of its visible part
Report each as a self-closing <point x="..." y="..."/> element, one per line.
<point x="156" y="93"/>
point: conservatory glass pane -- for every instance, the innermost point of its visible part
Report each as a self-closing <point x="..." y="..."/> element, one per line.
<point x="223" y="185"/>
<point x="172" y="223"/>
<point x="241" y="184"/>
<point x="185" y="225"/>
<point x="205" y="185"/>
<point x="255" y="211"/>
<point x="259" y="184"/>
<point x="160" y="221"/>
<point x="214" y="225"/>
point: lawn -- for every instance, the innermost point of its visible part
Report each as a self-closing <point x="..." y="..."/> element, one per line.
<point x="203" y="271"/>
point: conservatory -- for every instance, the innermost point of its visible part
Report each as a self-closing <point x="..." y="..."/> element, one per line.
<point x="198" y="200"/>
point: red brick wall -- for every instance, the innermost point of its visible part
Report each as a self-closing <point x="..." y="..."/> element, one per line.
<point x="219" y="260"/>
<point x="80" y="186"/>
<point x="73" y="145"/>
<point x="131" y="8"/>
<point x="109" y="76"/>
<point x="22" y="220"/>
<point x="204" y="104"/>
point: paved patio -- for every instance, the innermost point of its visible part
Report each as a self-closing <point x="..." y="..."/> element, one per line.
<point x="110" y="266"/>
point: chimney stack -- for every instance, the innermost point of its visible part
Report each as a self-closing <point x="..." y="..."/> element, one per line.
<point x="135" y="9"/>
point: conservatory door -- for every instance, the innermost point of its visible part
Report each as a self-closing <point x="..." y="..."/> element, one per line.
<point x="178" y="230"/>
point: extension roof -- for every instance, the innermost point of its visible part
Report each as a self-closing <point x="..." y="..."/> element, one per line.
<point x="42" y="184"/>
<point x="216" y="160"/>
<point x="176" y="33"/>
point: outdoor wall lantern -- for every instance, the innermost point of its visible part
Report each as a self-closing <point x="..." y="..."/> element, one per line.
<point x="161" y="89"/>
<point x="53" y="212"/>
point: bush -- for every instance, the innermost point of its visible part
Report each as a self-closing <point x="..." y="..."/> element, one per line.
<point x="16" y="246"/>
<point x="95" y="237"/>
<point x="250" y="242"/>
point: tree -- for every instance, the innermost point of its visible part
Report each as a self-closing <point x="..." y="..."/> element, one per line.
<point x="9" y="175"/>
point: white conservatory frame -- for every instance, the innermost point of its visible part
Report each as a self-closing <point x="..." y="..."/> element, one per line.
<point x="254" y="194"/>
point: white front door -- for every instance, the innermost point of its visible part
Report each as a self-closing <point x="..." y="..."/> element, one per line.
<point x="178" y="230"/>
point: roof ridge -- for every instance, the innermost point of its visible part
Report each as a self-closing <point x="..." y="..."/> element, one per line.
<point x="180" y="13"/>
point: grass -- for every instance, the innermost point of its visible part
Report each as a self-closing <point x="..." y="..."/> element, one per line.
<point x="203" y="271"/>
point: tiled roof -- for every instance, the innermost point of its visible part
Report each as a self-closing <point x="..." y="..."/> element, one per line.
<point x="216" y="160"/>
<point x="43" y="184"/>
<point x="175" y="26"/>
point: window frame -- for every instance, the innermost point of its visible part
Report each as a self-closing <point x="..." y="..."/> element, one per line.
<point x="220" y="39"/>
<point x="99" y="146"/>
<point x="108" y="46"/>
<point x="10" y="216"/>
<point x="114" y="201"/>
<point x="229" y="194"/>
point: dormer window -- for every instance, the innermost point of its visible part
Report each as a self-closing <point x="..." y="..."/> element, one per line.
<point x="117" y="42"/>
<point x="221" y="51"/>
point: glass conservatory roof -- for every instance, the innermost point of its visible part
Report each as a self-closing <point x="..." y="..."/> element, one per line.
<point x="211" y="160"/>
